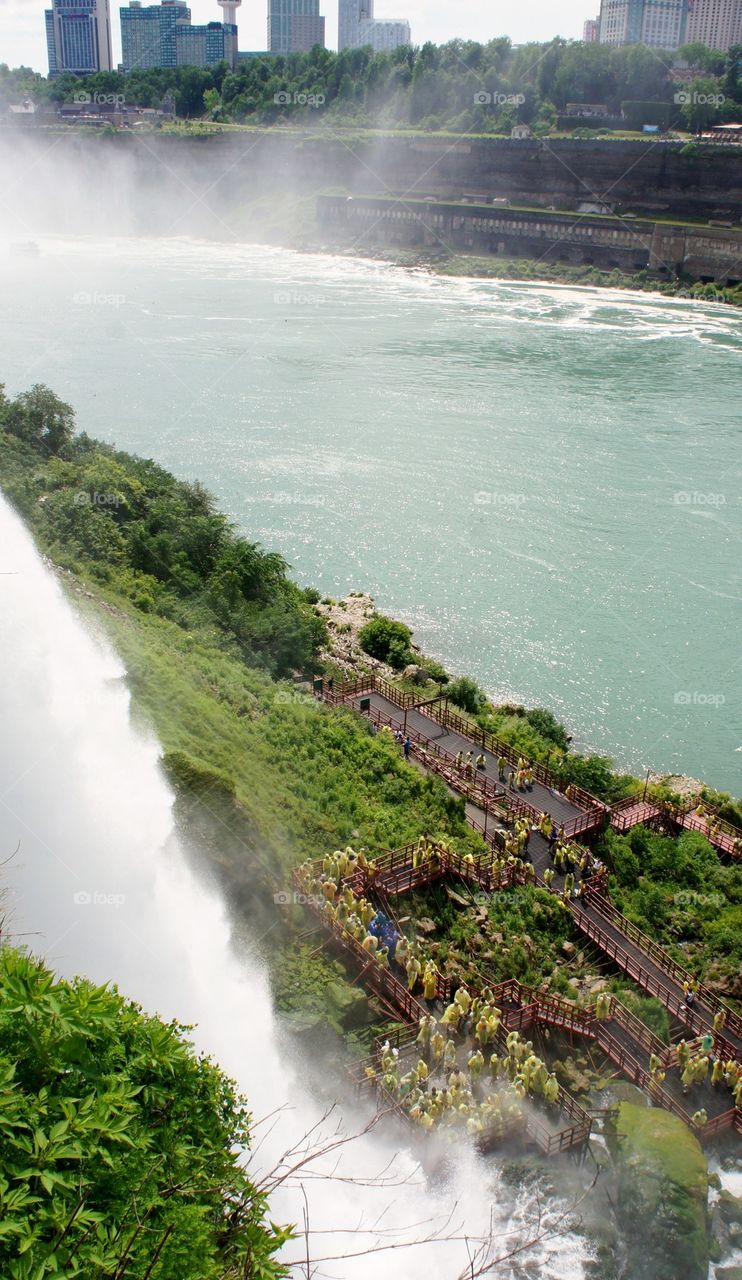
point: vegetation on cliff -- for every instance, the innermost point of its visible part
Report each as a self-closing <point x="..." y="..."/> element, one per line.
<point x="118" y="1143"/>
<point x="155" y="540"/>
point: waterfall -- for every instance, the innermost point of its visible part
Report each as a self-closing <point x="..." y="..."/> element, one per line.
<point x="100" y="886"/>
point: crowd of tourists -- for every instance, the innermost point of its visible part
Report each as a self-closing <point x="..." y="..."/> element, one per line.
<point x="463" y="1073"/>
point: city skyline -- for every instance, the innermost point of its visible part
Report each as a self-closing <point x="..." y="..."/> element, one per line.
<point x="23" y="41"/>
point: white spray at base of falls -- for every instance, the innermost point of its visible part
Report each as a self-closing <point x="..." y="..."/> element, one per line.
<point x="101" y="887"/>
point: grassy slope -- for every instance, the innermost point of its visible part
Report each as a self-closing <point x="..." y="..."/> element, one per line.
<point x="308" y="777"/>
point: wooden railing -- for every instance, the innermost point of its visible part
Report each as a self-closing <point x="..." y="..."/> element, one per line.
<point x="538" y="1006"/>
<point x="397" y="871"/>
<point x="483" y="738"/>
<point x="480" y="790"/>
<point x="378" y="976"/>
<point x="403" y="1038"/>
<point x="477" y="788"/>
<point x="726" y="838"/>
<point x="648" y="981"/>
<point x="660" y="957"/>
<point x="480" y="737"/>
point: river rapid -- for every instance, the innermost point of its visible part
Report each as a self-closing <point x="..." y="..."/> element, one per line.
<point x="544" y="481"/>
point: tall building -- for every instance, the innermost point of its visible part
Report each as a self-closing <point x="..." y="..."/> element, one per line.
<point x="660" y="24"/>
<point x="161" y="35"/>
<point x="306" y="31"/>
<point x="148" y="34"/>
<point x="78" y="36"/>
<point x="715" y="23"/>
<point x="384" y="34"/>
<point x="294" y="26"/>
<point x="350" y="14"/>
<point x="591" y="30"/>
<point x="204" y="46"/>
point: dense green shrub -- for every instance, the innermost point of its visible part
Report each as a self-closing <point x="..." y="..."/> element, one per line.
<point x="386" y="640"/>
<point x="545" y="723"/>
<point x="117" y="1143"/>
<point x="466" y="694"/>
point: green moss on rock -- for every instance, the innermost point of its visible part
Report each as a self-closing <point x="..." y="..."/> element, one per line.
<point x="663" y="1195"/>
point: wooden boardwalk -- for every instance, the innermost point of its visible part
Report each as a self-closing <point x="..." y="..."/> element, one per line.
<point x="490" y="804"/>
<point x="432" y="723"/>
<point x="635" y="811"/>
<point x="621" y="1036"/>
<point x="722" y="835"/>
<point x="625" y="1040"/>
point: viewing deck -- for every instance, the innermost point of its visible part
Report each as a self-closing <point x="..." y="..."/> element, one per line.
<point x="635" y="811"/>
<point x="624" y="1039"/>
<point x="436" y="736"/>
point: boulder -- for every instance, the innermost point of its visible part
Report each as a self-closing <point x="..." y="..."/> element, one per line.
<point x="347" y="1006"/>
<point x="662" y="1196"/>
<point x="728" y="1273"/>
<point x="426" y="925"/>
<point x="729" y="1208"/>
<point x="458" y="898"/>
<point x="568" y="949"/>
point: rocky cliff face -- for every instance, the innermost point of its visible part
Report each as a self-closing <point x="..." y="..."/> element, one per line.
<point x="255" y="182"/>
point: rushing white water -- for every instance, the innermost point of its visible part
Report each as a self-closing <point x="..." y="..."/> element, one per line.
<point x="100" y="886"/>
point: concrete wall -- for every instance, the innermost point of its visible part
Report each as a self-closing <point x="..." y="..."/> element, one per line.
<point x="631" y="245"/>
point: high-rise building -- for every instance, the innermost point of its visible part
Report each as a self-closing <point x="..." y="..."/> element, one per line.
<point x="384" y="34"/>
<point x="205" y="46"/>
<point x="78" y="36"/>
<point x="161" y="35"/>
<point x="591" y="30"/>
<point x="350" y="14"/>
<point x="715" y="23"/>
<point x="306" y="31"/>
<point x="660" y="24"/>
<point x="148" y="33"/>
<point x="291" y="21"/>
<point x="663" y="23"/>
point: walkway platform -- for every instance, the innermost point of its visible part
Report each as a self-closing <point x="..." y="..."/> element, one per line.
<point x="445" y="734"/>
<point x="635" y="811"/>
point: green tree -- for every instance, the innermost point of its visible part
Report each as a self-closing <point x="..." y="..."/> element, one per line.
<point x="41" y="419"/>
<point x="700" y="104"/>
<point x="466" y="693"/>
<point x="732" y="79"/>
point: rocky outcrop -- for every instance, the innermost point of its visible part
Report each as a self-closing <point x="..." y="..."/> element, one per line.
<point x="663" y="1195"/>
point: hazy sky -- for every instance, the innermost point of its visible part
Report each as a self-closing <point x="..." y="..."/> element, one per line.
<point x="22" y="39"/>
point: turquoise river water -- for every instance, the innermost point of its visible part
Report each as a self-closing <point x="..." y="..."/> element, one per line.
<point x="543" y="481"/>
